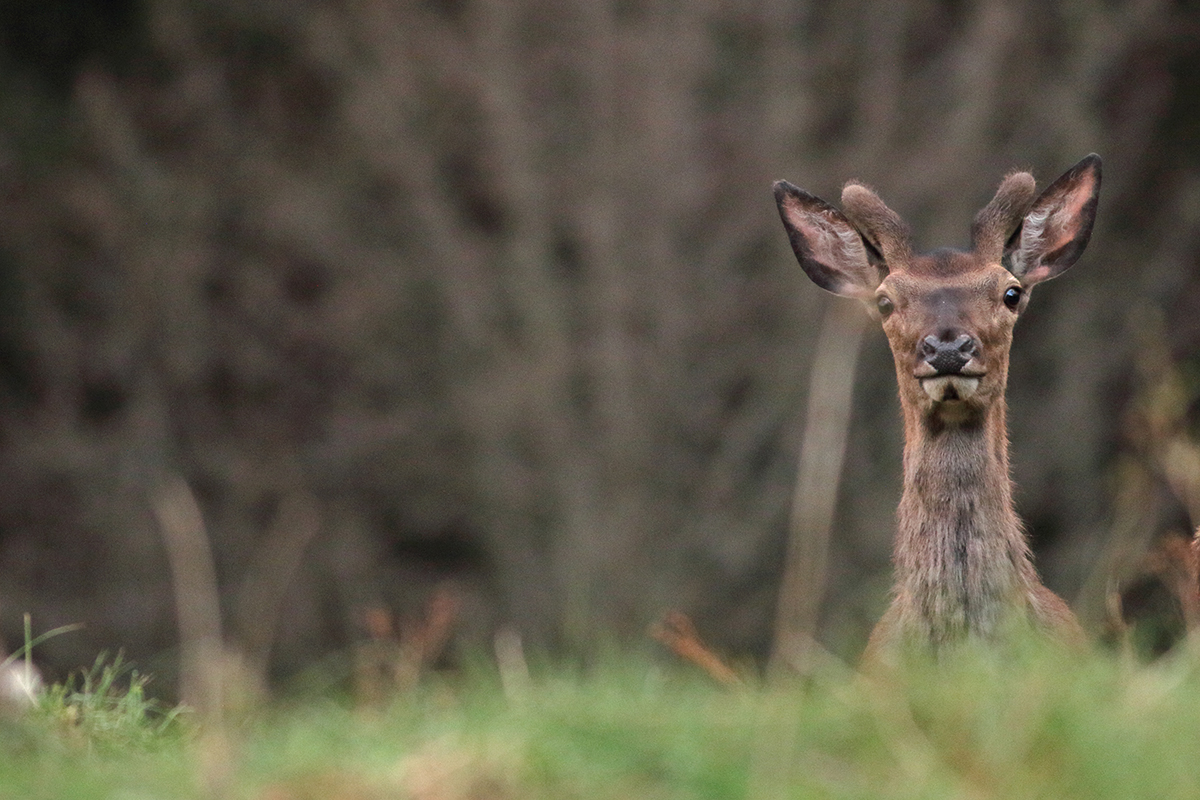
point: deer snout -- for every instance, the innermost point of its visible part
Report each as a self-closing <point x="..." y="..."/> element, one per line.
<point x="944" y="359"/>
<point x="948" y="356"/>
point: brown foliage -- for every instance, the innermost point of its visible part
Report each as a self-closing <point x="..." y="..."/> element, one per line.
<point x="677" y="632"/>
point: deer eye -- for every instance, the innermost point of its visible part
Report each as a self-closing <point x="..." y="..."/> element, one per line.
<point x="1012" y="297"/>
<point x="885" y="306"/>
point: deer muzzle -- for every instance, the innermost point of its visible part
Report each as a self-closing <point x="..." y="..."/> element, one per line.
<point x="944" y="369"/>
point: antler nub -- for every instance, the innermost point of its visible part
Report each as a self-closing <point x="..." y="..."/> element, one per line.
<point x="995" y="223"/>
<point x="878" y="224"/>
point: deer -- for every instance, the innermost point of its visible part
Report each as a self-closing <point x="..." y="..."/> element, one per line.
<point x="962" y="561"/>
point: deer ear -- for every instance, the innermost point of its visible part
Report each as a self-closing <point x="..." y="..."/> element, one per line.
<point x="1058" y="225"/>
<point x="828" y="247"/>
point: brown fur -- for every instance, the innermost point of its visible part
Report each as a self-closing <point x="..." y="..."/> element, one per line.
<point x="1001" y="217"/>
<point x="963" y="564"/>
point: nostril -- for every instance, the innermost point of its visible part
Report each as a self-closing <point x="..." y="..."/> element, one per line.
<point x="965" y="345"/>
<point x="929" y="346"/>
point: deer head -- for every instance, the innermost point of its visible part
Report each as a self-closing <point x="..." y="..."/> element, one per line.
<point x="948" y="315"/>
<point x="963" y="566"/>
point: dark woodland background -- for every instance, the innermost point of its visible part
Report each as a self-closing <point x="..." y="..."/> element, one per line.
<point x="492" y="298"/>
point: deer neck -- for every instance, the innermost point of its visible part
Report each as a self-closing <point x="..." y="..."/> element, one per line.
<point x="963" y="564"/>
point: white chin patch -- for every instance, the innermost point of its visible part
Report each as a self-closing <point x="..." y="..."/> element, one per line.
<point x="946" y="388"/>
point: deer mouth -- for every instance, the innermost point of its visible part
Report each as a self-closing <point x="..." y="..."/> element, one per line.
<point x="950" y="388"/>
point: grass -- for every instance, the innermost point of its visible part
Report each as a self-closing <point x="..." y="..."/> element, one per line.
<point x="974" y="725"/>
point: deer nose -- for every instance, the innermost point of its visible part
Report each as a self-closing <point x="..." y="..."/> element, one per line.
<point x="948" y="356"/>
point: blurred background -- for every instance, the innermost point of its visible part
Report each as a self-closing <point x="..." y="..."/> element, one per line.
<point x="491" y="300"/>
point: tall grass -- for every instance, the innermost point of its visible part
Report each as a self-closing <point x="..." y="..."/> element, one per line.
<point x="977" y="724"/>
<point x="107" y="708"/>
